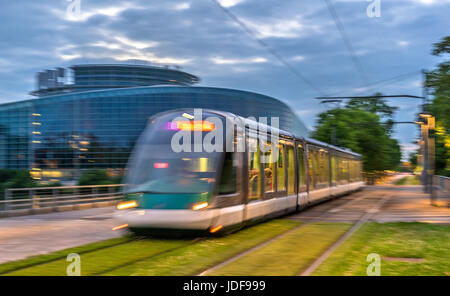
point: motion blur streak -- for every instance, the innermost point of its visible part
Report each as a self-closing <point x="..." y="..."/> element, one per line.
<point x="200" y="206"/>
<point x="127" y="205"/>
<point x="215" y="229"/>
<point x="120" y="227"/>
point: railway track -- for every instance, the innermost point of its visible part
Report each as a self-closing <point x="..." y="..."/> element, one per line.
<point x="169" y="248"/>
<point x="366" y="204"/>
<point x="329" y="211"/>
<point x="56" y="258"/>
<point x="153" y="256"/>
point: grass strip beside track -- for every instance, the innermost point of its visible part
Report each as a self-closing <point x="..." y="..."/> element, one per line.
<point x="408" y="180"/>
<point x="62" y="254"/>
<point x="398" y="244"/>
<point x="288" y="255"/>
<point x="152" y="256"/>
<point x="204" y="254"/>
<point x="102" y="260"/>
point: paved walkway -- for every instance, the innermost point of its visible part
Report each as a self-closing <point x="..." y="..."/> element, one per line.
<point x="405" y="204"/>
<point x="410" y="204"/>
<point x="25" y="236"/>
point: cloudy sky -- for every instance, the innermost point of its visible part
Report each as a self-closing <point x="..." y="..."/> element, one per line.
<point x="198" y="36"/>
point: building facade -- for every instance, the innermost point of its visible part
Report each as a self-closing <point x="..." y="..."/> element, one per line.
<point x="94" y="122"/>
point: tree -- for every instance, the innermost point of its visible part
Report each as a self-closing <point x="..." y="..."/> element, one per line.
<point x="15" y="179"/>
<point x="438" y="80"/>
<point x="361" y="131"/>
<point x="413" y="159"/>
<point x="375" y="105"/>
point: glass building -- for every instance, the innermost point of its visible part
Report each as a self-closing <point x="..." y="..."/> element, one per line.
<point x="93" y="121"/>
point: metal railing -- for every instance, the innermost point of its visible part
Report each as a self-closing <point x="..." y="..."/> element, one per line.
<point x="440" y="190"/>
<point x="53" y="197"/>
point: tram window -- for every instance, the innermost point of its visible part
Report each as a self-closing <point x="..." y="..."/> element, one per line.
<point x="281" y="169"/>
<point x="254" y="170"/>
<point x="320" y="168"/>
<point x="316" y="168"/>
<point x="344" y="171"/>
<point x="356" y="170"/>
<point x="324" y="172"/>
<point x="352" y="171"/>
<point x="227" y="183"/>
<point x="301" y="170"/>
<point x="312" y="168"/>
<point x="269" y="166"/>
<point x="359" y="170"/>
<point x="339" y="169"/>
<point x="291" y="169"/>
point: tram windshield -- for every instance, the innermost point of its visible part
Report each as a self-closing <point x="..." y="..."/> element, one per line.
<point x="156" y="168"/>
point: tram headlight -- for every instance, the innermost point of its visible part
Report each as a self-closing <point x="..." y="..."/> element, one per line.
<point x="199" y="206"/>
<point x="127" y="205"/>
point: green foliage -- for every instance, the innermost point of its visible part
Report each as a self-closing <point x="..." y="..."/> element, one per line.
<point x="413" y="159"/>
<point x="98" y="177"/>
<point x="442" y="47"/>
<point x="127" y="256"/>
<point x="15" y="179"/>
<point x="374" y="105"/>
<point x="361" y="131"/>
<point x="396" y="241"/>
<point x="408" y="180"/>
<point x="438" y="81"/>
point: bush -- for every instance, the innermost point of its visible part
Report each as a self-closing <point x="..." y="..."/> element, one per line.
<point x="15" y="179"/>
<point x="98" y="177"/>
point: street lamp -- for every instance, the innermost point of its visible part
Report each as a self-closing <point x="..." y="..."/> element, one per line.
<point x="425" y="115"/>
<point x="427" y="126"/>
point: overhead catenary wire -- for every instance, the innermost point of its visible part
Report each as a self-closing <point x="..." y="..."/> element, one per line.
<point x="386" y="81"/>
<point x="341" y="29"/>
<point x="347" y="42"/>
<point x="263" y="44"/>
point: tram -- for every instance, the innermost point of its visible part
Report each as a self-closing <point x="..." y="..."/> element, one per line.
<point x="216" y="172"/>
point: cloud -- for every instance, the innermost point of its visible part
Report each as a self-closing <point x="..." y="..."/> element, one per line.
<point x="135" y="43"/>
<point x="407" y="149"/>
<point x="298" y="58"/>
<point x="230" y="3"/>
<point x="289" y="28"/>
<point x="225" y="61"/>
<point x="182" y="6"/>
<point x="107" y="45"/>
<point x="431" y="2"/>
<point x="67" y="57"/>
<point x="150" y="57"/>
<point x="409" y="146"/>
<point x="199" y="36"/>
<point x="84" y="12"/>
